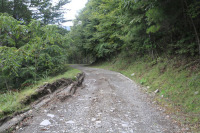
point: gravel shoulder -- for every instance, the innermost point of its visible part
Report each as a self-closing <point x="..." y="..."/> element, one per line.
<point x="109" y="102"/>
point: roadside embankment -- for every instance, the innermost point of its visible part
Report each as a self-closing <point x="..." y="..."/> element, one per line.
<point x="174" y="82"/>
<point x="61" y="88"/>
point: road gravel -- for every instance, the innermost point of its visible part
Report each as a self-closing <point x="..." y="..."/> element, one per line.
<point x="108" y="103"/>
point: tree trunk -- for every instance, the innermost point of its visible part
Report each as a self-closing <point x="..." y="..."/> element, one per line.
<point x="14" y="9"/>
<point x="2" y="5"/>
<point x="7" y="86"/>
<point x="194" y="27"/>
<point x="36" y="67"/>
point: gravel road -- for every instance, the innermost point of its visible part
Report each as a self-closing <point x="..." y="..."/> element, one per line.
<point x="108" y="103"/>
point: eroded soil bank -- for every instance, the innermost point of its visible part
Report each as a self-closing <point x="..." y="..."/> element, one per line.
<point x="58" y="91"/>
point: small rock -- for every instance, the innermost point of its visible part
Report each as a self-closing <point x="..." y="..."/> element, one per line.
<point x="70" y="122"/>
<point x="81" y="99"/>
<point x="98" y="122"/>
<point x="132" y="74"/>
<point x="45" y="123"/>
<point x="156" y="91"/>
<point x="162" y="96"/>
<point x="43" y="129"/>
<point x="196" y="93"/>
<point x="17" y="127"/>
<point x="30" y="111"/>
<point x="93" y="119"/>
<point x="50" y="115"/>
<point x="148" y="87"/>
<point x="124" y="125"/>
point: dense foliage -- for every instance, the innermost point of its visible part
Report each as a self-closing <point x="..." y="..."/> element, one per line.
<point x="138" y="27"/>
<point x="47" y="11"/>
<point x="29" y="52"/>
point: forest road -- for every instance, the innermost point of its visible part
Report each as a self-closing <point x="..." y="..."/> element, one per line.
<point x="108" y="103"/>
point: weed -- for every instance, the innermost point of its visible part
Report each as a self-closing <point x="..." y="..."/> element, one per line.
<point x="143" y="81"/>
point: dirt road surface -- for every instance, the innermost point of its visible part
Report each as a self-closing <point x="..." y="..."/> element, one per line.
<point x="109" y="103"/>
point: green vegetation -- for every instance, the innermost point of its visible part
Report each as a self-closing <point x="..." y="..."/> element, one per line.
<point x="12" y="101"/>
<point x="33" y="49"/>
<point x="30" y="52"/>
<point x="138" y="27"/>
<point x="178" y="85"/>
<point x="47" y="11"/>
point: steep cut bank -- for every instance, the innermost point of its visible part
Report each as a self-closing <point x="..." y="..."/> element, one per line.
<point x="174" y="82"/>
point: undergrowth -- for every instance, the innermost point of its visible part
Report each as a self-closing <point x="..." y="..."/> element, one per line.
<point x="10" y="102"/>
<point x="177" y="80"/>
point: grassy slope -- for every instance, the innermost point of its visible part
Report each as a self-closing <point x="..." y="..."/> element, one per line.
<point x="178" y="82"/>
<point x="10" y="102"/>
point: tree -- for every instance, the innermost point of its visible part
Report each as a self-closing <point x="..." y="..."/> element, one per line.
<point x="19" y="9"/>
<point x="30" y="52"/>
<point x="138" y="27"/>
<point x="49" y="12"/>
<point x="46" y="11"/>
